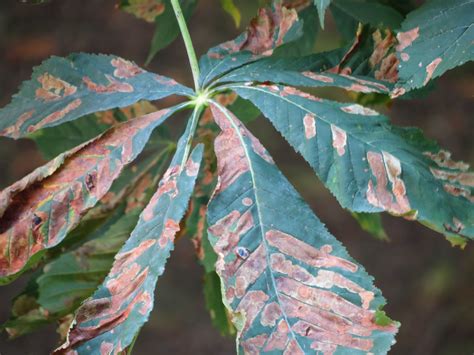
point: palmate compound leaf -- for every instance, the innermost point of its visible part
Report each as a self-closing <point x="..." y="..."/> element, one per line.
<point x="38" y="211"/>
<point x="272" y="27"/>
<point x="63" y="89"/>
<point x="109" y="320"/>
<point x="369" y="165"/>
<point x="434" y="39"/>
<point x="291" y="286"/>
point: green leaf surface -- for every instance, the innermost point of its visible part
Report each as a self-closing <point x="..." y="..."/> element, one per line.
<point x="271" y="28"/>
<point x="38" y="211"/>
<point x="322" y="6"/>
<point x="63" y="89"/>
<point x="166" y="27"/>
<point x="291" y="287"/>
<point x="435" y="38"/>
<point x="371" y="223"/>
<point x="218" y="312"/>
<point x="369" y="165"/>
<point x="305" y="44"/>
<point x="111" y="318"/>
<point x="230" y="7"/>
<point x="366" y="12"/>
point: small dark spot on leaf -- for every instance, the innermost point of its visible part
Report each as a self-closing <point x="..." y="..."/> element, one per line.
<point x="36" y="221"/>
<point x="90" y="182"/>
<point x="242" y="252"/>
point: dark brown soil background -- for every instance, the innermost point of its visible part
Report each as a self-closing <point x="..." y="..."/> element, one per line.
<point x="428" y="284"/>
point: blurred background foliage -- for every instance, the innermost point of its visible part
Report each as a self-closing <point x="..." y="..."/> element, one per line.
<point x="428" y="284"/>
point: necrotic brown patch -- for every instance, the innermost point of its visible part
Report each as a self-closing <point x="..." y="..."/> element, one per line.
<point x="53" y="88"/>
<point x="306" y="253"/>
<point x="125" y="69"/>
<point x="339" y="139"/>
<point x="309" y="123"/>
<point x="383" y="167"/>
<point x="430" y="68"/>
<point x="113" y="86"/>
<point x="405" y="39"/>
<point x="56" y="116"/>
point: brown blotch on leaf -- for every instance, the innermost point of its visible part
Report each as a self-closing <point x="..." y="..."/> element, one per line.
<point x="339" y="139"/>
<point x="114" y="86"/>
<point x="53" y="88"/>
<point x="289" y="245"/>
<point x="125" y="69"/>
<point x="318" y="77"/>
<point x="309" y="122"/>
<point x="430" y="68"/>
<point x="14" y="131"/>
<point x="56" y="116"/>
<point x="405" y="39"/>
<point x="385" y="167"/>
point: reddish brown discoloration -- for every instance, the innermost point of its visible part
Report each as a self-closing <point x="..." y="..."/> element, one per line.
<point x="381" y="47"/>
<point x="383" y="167"/>
<point x="388" y="69"/>
<point x="250" y="271"/>
<point x="114" y="86"/>
<point x="298" y="249"/>
<point x="265" y="32"/>
<point x="293" y="348"/>
<point x="405" y="56"/>
<point x="229" y="230"/>
<point x="405" y="39"/>
<point x="106" y="348"/>
<point x="458" y="191"/>
<point x="443" y="159"/>
<point x="247" y="201"/>
<point x="14" y="131"/>
<point x="51" y="192"/>
<point x="356" y="109"/>
<point x="167" y="236"/>
<point x="339" y="139"/>
<point x="430" y="68"/>
<point x="288" y="90"/>
<point x="125" y="69"/>
<point x="53" y="88"/>
<point x="107" y="312"/>
<point x="279" y="338"/>
<point x="168" y="185"/>
<point x="462" y="177"/>
<point x="364" y="82"/>
<point x="124" y="260"/>
<point x="147" y="10"/>
<point x="192" y="168"/>
<point x="328" y="341"/>
<point x="318" y="77"/>
<point x="56" y="116"/>
<point x="309" y="123"/>
<point x="255" y="344"/>
<point x="270" y="314"/>
<point x="250" y="307"/>
<point x="324" y="279"/>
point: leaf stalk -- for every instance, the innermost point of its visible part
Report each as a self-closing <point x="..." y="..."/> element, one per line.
<point x="187" y="42"/>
